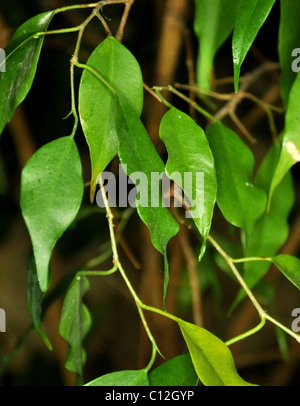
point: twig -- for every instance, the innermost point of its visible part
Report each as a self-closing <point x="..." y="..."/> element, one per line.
<point x="262" y="313"/>
<point x="241" y="127"/>
<point x="189" y="61"/>
<point x="149" y="90"/>
<point x="126" y="247"/>
<point x="170" y="44"/>
<point x="120" y="32"/>
<point x="103" y="22"/>
<point x="171" y="89"/>
<point x="193" y="275"/>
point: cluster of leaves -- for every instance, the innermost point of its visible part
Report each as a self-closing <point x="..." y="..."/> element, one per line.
<point x="110" y="105"/>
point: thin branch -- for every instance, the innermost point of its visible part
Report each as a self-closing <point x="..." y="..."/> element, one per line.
<point x="262" y="313"/>
<point x="193" y="275"/>
<point x="149" y="90"/>
<point x="104" y="23"/>
<point x="189" y="61"/>
<point x="241" y="127"/>
<point x="118" y="263"/>
<point x="125" y="15"/>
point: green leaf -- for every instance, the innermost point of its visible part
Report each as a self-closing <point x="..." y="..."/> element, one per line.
<point x="139" y="157"/>
<point x="34" y="299"/>
<point x="239" y="199"/>
<point x="75" y="322"/>
<point x="214" y="21"/>
<point x="51" y="194"/>
<point x="189" y="154"/>
<point x="97" y="103"/>
<point x="22" y="56"/>
<point x="212" y="359"/>
<point x="270" y="230"/>
<point x="122" y="378"/>
<point x="289" y="34"/>
<point x="251" y="16"/>
<point x="178" y="371"/>
<point x="290" y="152"/>
<point x="290" y="267"/>
<point x="283" y="344"/>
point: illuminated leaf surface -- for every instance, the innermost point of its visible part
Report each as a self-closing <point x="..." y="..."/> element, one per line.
<point x="97" y="102"/>
<point x="289" y="33"/>
<point x="51" y="194"/>
<point x="214" y="21"/>
<point x="250" y="17"/>
<point x="290" y="152"/>
<point x="239" y="198"/>
<point x="178" y="371"/>
<point x="122" y="378"/>
<point x="212" y="359"/>
<point x="189" y="154"/>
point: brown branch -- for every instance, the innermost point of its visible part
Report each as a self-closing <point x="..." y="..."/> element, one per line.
<point x="125" y="15"/>
<point x="25" y="146"/>
<point x="149" y="90"/>
<point x="170" y="44"/>
<point x="231" y="106"/>
<point x="124" y="244"/>
<point x="241" y="127"/>
<point x="192" y="268"/>
<point x="189" y="61"/>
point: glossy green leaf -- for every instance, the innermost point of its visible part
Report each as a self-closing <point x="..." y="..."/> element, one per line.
<point x="139" y="157"/>
<point x="289" y="34"/>
<point x="122" y="378"/>
<point x="51" y="194"/>
<point x="75" y="322"/>
<point x="239" y="199"/>
<point x="22" y="56"/>
<point x="97" y="103"/>
<point x="270" y="230"/>
<point x="189" y="154"/>
<point x="214" y="21"/>
<point x="290" y="152"/>
<point x="212" y="359"/>
<point x="34" y="299"/>
<point x="251" y="16"/>
<point x="178" y="371"/>
<point x="290" y="267"/>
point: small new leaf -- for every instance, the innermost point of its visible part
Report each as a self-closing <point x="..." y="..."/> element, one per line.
<point x="34" y="300"/>
<point x="75" y="322"/>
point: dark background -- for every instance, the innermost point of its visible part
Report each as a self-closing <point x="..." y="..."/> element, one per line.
<point x="117" y="340"/>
